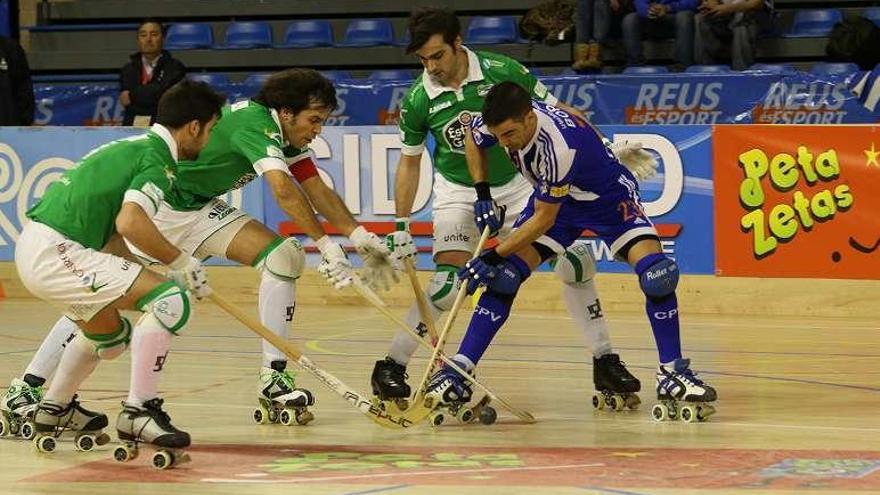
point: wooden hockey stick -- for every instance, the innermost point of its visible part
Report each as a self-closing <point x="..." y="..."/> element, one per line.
<point x="389" y="419"/>
<point x="421" y="300"/>
<point x="380" y="305"/>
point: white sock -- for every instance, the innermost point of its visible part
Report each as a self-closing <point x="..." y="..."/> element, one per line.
<point x="150" y="343"/>
<point x="404" y="346"/>
<point x="48" y="356"/>
<point x="277" y="304"/>
<point x="77" y="362"/>
<point x="583" y="305"/>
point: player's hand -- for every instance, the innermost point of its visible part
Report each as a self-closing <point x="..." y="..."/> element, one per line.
<point x="189" y="273"/>
<point x="400" y="244"/>
<point x="378" y="272"/>
<point x="334" y="266"/>
<point x="475" y="273"/>
<point x="488" y="213"/>
<point x="640" y="162"/>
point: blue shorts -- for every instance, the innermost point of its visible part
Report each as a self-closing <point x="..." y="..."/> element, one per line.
<point x="615" y="220"/>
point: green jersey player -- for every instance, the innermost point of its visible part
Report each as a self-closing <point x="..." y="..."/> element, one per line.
<point x="442" y="102"/>
<point x="70" y="254"/>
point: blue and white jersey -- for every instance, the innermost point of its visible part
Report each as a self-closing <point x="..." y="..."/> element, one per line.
<point x="565" y="160"/>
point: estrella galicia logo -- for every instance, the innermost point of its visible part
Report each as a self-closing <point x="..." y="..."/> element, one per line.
<point x="455" y="129"/>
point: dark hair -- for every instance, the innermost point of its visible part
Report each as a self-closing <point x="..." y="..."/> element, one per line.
<point x="153" y="20"/>
<point x="506" y="100"/>
<point x="854" y="40"/>
<point x="297" y="90"/>
<point x="427" y="22"/>
<point x="187" y="101"/>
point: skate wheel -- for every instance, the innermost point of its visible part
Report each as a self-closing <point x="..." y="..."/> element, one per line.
<point x="633" y="402"/>
<point x="465" y="415"/>
<point x="287" y="417"/>
<point x="273" y="415"/>
<point x="704" y="411"/>
<point x="261" y="415"/>
<point x="4" y="426"/>
<point x="45" y="444"/>
<point x="402" y="404"/>
<point x="429" y="402"/>
<point x="437" y="418"/>
<point x="688" y="414"/>
<point x="84" y="443"/>
<point x="617" y="403"/>
<point x="598" y="402"/>
<point x="303" y="417"/>
<point x="660" y="412"/>
<point x="102" y="439"/>
<point x="163" y="459"/>
<point x="27" y="430"/>
<point x="488" y="415"/>
<point x="125" y="453"/>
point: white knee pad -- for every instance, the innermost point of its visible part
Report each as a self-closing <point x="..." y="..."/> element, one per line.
<point x="443" y="287"/>
<point x="284" y="259"/>
<point x="577" y="265"/>
<point x="111" y="346"/>
<point x="170" y="304"/>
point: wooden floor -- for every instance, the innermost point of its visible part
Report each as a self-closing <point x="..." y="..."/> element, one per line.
<point x="798" y="413"/>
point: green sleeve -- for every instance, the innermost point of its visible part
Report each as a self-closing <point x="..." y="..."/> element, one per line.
<point x="262" y="150"/>
<point x="413" y="123"/>
<point x="151" y="185"/>
<point x="520" y="75"/>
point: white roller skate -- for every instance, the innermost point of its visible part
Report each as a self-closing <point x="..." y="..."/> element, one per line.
<point x="150" y="425"/>
<point x="280" y="400"/>
<point x="449" y="393"/>
<point x="17" y="409"/>
<point x="615" y="386"/>
<point x="52" y="419"/>
<point x="682" y="395"/>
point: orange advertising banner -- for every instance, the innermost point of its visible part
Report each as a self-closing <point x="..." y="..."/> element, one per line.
<point x="797" y="201"/>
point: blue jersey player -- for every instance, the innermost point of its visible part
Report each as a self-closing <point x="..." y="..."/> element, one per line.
<point x="578" y="184"/>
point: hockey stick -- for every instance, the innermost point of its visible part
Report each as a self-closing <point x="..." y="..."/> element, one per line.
<point x="380" y="305"/>
<point x="389" y="419"/>
<point x="421" y="300"/>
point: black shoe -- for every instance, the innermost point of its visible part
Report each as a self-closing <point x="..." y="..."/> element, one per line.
<point x="389" y="380"/>
<point x="610" y="373"/>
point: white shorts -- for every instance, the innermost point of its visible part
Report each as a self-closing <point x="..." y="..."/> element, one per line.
<point x="200" y="233"/>
<point x="78" y="280"/>
<point x="453" y="211"/>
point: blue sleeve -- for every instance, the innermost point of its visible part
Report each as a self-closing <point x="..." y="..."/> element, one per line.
<point x="642" y="8"/>
<point x="679" y="5"/>
<point x="482" y="137"/>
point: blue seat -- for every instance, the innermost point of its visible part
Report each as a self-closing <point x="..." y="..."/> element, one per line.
<point x="486" y="30"/>
<point x="210" y="78"/>
<point x="708" y="69"/>
<point x="336" y="75"/>
<point x="241" y="35"/>
<point x="813" y="23"/>
<point x="872" y="14"/>
<point x="391" y="75"/>
<point x="368" y="32"/>
<point x="256" y="80"/>
<point x="772" y="68"/>
<point x="646" y="69"/>
<point x="835" y="69"/>
<point x="189" y="36"/>
<point x="305" y="34"/>
<point x="404" y="39"/>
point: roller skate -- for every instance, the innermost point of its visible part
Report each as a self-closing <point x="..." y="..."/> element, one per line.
<point x="615" y="385"/>
<point x="280" y="401"/>
<point x="150" y="425"/>
<point x="682" y="395"/>
<point x="52" y="419"/>
<point x="17" y="409"/>
<point x="449" y="394"/>
<point x="389" y="384"/>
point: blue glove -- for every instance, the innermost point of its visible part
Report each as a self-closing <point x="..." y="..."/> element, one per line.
<point x="477" y="272"/>
<point x="493" y="271"/>
<point x="486" y="211"/>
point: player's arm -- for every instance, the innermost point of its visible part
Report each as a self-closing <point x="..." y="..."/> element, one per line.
<point x="531" y="230"/>
<point x="477" y="163"/>
<point x="136" y="226"/>
<point x="294" y="203"/>
<point x="406" y="183"/>
<point x="487" y="213"/>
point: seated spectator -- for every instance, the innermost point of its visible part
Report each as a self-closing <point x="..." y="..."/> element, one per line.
<point x="855" y="40"/>
<point x="149" y="73"/>
<point x="726" y="30"/>
<point x="16" y="90"/>
<point x="593" y="20"/>
<point x="660" y="19"/>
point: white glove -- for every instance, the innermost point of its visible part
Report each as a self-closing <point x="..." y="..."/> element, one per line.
<point x="631" y="154"/>
<point x="378" y="272"/>
<point x="189" y="273"/>
<point x="334" y="266"/>
<point x="400" y="244"/>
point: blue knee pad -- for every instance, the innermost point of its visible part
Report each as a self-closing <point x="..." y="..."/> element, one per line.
<point x="510" y="275"/>
<point x="658" y="275"/>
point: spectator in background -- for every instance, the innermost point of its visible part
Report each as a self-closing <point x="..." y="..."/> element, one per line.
<point x="16" y="89"/>
<point x="148" y="75"/>
<point x="727" y="30"/>
<point x="660" y="19"/>
<point x="592" y="21"/>
<point x="855" y="40"/>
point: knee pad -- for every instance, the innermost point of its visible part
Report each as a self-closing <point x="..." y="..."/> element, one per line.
<point x="284" y="259"/>
<point x="111" y="346"/>
<point x="660" y="278"/>
<point x="170" y="304"/>
<point x="576" y="266"/>
<point x="443" y="287"/>
<point x="510" y="276"/>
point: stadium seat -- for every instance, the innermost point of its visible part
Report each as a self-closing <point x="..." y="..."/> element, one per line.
<point x="241" y="35"/>
<point x="207" y="77"/>
<point x="189" y="36"/>
<point x="391" y="75"/>
<point x="486" y="30"/>
<point x="813" y="23"/>
<point x="772" y="68"/>
<point x="256" y="80"/>
<point x="708" y="69"/>
<point x="368" y="32"/>
<point x="872" y="14"/>
<point x="835" y="69"/>
<point x="305" y="34"/>
<point x="336" y="75"/>
<point x="404" y="39"/>
<point x="646" y="69"/>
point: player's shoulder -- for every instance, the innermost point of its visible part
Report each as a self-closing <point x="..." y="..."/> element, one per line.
<point x="417" y="96"/>
<point x="498" y="65"/>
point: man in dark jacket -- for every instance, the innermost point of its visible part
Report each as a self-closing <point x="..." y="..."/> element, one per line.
<point x="150" y="73"/>
<point x="16" y="90"/>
